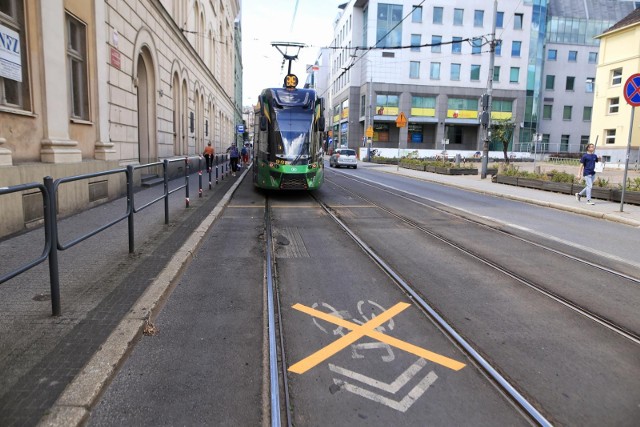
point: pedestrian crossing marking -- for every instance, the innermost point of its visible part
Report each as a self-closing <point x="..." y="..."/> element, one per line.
<point x="366" y="329"/>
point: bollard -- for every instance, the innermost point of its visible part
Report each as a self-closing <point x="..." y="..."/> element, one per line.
<point x="199" y="176"/>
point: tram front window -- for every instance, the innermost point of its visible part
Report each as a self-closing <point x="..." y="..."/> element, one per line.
<point x="292" y="137"/>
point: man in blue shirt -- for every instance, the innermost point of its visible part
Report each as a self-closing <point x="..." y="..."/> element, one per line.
<point x="588" y="170"/>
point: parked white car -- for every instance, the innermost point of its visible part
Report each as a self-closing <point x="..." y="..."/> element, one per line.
<point x="343" y="157"/>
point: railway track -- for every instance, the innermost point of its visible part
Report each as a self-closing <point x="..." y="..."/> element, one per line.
<point x="282" y="413"/>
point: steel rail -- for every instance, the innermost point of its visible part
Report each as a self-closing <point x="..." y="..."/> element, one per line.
<point x="612" y="326"/>
<point x="522" y="402"/>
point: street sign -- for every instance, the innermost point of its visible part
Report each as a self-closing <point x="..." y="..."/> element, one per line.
<point x="369" y="132"/>
<point x="240" y="128"/>
<point x="401" y="121"/>
<point x="632" y="90"/>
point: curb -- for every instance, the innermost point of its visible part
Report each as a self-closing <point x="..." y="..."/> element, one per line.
<point x="73" y="406"/>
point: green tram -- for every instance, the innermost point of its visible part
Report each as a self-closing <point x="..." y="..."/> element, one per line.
<point x="287" y="141"/>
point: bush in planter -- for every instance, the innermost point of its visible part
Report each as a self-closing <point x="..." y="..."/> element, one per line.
<point x="632" y="185"/>
<point x="556" y="176"/>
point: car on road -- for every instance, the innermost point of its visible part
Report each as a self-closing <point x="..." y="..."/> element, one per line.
<point x="343" y="157"/>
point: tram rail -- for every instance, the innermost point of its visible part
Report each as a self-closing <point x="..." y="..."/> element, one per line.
<point x="613" y="326"/>
<point x="524" y="406"/>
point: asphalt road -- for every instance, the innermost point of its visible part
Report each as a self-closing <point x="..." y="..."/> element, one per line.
<point x="206" y="363"/>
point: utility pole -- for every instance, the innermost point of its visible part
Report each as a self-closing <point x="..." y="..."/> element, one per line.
<point x="485" y="116"/>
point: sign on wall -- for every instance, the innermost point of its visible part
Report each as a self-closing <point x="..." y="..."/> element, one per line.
<point x="10" y="58"/>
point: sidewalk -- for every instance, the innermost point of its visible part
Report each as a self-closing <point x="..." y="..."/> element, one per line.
<point x="602" y="208"/>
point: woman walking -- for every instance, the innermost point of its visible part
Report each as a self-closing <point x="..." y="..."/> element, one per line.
<point x="588" y="171"/>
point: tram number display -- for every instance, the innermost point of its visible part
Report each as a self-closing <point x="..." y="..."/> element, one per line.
<point x="291" y="81"/>
<point x="281" y="162"/>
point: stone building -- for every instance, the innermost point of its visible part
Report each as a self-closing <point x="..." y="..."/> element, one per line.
<point x="93" y="85"/>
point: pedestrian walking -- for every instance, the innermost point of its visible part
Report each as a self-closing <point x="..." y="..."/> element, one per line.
<point x="245" y="155"/>
<point x="208" y="155"/>
<point x="588" y="171"/>
<point x="233" y="158"/>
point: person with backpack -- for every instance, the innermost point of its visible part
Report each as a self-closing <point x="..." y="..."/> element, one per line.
<point x="208" y="155"/>
<point x="245" y="155"/>
<point x="233" y="158"/>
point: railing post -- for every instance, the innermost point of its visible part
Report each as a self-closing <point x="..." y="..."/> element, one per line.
<point x="199" y="176"/>
<point x="217" y="156"/>
<point x="186" y="177"/>
<point x="54" y="273"/>
<point x="130" y="205"/>
<point x="165" y="165"/>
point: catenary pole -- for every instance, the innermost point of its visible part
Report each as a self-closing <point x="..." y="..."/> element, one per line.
<point x="486" y="122"/>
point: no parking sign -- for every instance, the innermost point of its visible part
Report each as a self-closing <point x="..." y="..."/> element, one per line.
<point x="632" y="90"/>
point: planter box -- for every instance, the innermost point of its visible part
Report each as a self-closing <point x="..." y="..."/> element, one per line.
<point x="558" y="187"/>
<point x="412" y="166"/>
<point x="601" y="193"/>
<point x="530" y="183"/>
<point x="509" y="180"/>
<point x="430" y="168"/>
<point x="456" y="171"/>
<point x="631" y="197"/>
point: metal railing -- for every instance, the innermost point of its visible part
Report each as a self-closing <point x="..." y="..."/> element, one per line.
<point x="49" y="190"/>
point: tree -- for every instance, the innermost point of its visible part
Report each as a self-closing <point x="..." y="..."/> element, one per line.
<point x="502" y="131"/>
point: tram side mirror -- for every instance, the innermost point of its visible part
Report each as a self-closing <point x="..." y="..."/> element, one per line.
<point x="263" y="123"/>
<point x="321" y="124"/>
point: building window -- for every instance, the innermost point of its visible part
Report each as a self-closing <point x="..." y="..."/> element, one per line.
<point x="566" y="112"/>
<point x="586" y="113"/>
<point x="478" y="18"/>
<point x="434" y="73"/>
<point x="363" y="105"/>
<point x="437" y="15"/>
<point x="552" y="55"/>
<point x="496" y="73"/>
<point x="518" y="18"/>
<point x="570" y="83"/>
<point x="498" y="49"/>
<point x="584" y="141"/>
<point x="613" y="105"/>
<point x="475" y="72"/>
<point x="436" y="44"/>
<point x="416" y="41"/>
<point x="416" y="14"/>
<point x="455" y="71"/>
<point x="77" y="68"/>
<point x="616" y="77"/>
<point x="499" y="19"/>
<point x="389" y="25"/>
<point x="573" y="56"/>
<point x="593" y="57"/>
<point x="550" y="82"/>
<point x="14" y="90"/>
<point x="456" y="46"/>
<point x="414" y="69"/>
<point x="476" y="46"/>
<point x="547" y="109"/>
<point x="589" y="84"/>
<point x="458" y="16"/>
<point x="609" y="136"/>
<point x="515" y="48"/>
<point x="564" y="143"/>
<point x="514" y="75"/>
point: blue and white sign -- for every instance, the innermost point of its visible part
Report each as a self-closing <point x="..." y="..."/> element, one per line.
<point x="10" y="60"/>
<point x="632" y="90"/>
<point x="240" y="128"/>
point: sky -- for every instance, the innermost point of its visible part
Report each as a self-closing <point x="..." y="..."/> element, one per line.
<point x="265" y="21"/>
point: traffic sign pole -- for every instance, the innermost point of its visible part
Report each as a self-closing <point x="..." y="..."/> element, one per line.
<point x="632" y="96"/>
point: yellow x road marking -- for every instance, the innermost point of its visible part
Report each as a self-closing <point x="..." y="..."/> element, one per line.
<point x="359" y="331"/>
